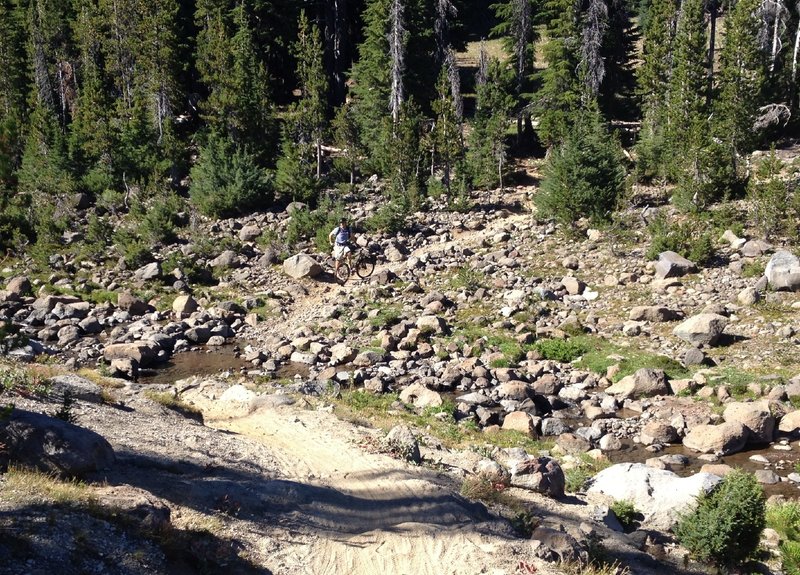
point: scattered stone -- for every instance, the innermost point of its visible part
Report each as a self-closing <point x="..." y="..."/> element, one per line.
<point x="702" y="329"/>
<point x="401" y="441"/>
<point x="724" y="439"/>
<point x="653" y="314"/>
<point x="783" y="271"/>
<point x="520" y="421"/>
<point x="644" y="383"/>
<point x="671" y="265"/>
<point x="301" y="266"/>
<point x="541" y="474"/>
<point x="420" y="396"/>
<point x="184" y="306"/>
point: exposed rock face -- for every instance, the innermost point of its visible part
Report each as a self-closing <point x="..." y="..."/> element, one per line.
<point x="542" y="475"/>
<point x="54" y="446"/>
<point x="755" y="416"/>
<point x="301" y="266"/>
<point x="702" y="329"/>
<point x="723" y="439"/>
<point x="783" y="271"/>
<point x="671" y="265"/>
<point x="662" y="496"/>
<point x="644" y="383"/>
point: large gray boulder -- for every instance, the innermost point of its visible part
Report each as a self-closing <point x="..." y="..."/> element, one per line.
<point x="420" y="396"/>
<point x="541" y="474"/>
<point x="661" y="495"/>
<point x="653" y="313"/>
<point x="723" y="439"/>
<point x="644" y="383"/>
<point x="783" y="271"/>
<point x="184" y="306"/>
<point x="702" y="329"/>
<point x="755" y="416"/>
<point x="672" y="265"/>
<point x="301" y="266"/>
<point x="144" y="353"/>
<point x="54" y="446"/>
<point x="790" y="423"/>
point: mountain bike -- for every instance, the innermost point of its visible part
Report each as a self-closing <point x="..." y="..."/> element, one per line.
<point x="362" y="262"/>
<point x="329" y="266"/>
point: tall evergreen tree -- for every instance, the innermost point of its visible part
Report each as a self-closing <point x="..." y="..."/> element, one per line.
<point x="300" y="164"/>
<point x="447" y="145"/>
<point x="741" y="78"/>
<point x="238" y="102"/>
<point x="487" y="145"/>
<point x="559" y="96"/>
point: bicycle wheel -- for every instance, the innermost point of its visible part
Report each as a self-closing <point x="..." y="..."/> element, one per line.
<point x="343" y="273"/>
<point x="365" y="265"/>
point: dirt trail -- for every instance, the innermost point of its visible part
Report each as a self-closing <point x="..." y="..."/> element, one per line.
<point x="368" y="513"/>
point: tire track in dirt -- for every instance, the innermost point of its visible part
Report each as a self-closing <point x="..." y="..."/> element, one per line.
<point x="367" y="513"/>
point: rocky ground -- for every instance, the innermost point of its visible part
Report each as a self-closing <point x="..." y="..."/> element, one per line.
<point x="686" y="365"/>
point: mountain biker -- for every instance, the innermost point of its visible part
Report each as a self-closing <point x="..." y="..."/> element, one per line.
<point x="339" y="238"/>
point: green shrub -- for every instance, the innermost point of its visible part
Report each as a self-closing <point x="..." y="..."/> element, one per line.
<point x="159" y="220"/>
<point x="785" y="519"/>
<point x="585" y="176"/>
<point x="708" y="174"/>
<point x="390" y="218"/>
<point x="314" y="225"/>
<point x="769" y="195"/>
<point x="626" y="513"/>
<point x="227" y="180"/>
<point x="682" y="238"/>
<point x="726" y="527"/>
<point x="563" y="350"/>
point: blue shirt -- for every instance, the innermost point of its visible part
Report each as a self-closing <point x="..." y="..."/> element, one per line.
<point x="342" y="235"/>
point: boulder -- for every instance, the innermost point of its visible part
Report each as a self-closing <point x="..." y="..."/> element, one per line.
<point x="644" y="383"/>
<point x="184" y="306"/>
<point x="661" y="495"/>
<point x="520" y="421"/>
<point x="783" y="271"/>
<point x="672" y="265"/>
<point x="755" y="248"/>
<point x="420" y="396"/>
<point x="573" y="285"/>
<point x="790" y="423"/>
<point x="541" y="474"/>
<point x="128" y="302"/>
<point x="748" y="296"/>
<point x="755" y="416"/>
<point x="78" y="387"/>
<point x="148" y="272"/>
<point x="54" y="446"/>
<point x="401" y="441"/>
<point x="19" y="285"/>
<point x="557" y="546"/>
<point x="143" y="353"/>
<point x="125" y="367"/>
<point x="658" y="432"/>
<point x="249" y="232"/>
<point x="301" y="266"/>
<point x="723" y="439"/>
<point x="342" y="353"/>
<point x="653" y="313"/>
<point x="702" y="329"/>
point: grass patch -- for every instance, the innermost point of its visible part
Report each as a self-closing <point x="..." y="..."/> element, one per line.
<point x="468" y="279"/>
<point x="562" y="350"/>
<point x="15" y="380"/>
<point x="175" y="403"/>
<point x="754" y="269"/>
<point x="23" y="485"/>
<point x="735" y="379"/>
<point x="579" y="474"/>
<point x="386" y="316"/>
<point x="603" y="354"/>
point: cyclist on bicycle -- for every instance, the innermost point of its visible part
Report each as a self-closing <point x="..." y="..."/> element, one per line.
<point x="339" y="238"/>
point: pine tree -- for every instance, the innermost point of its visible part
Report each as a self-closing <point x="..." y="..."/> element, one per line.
<point x="559" y="96"/>
<point x="584" y="176"/>
<point x="346" y="138"/>
<point x="487" y="145"/>
<point x="447" y="147"/>
<point x="653" y="86"/>
<point x="299" y="167"/>
<point x="371" y="75"/>
<point x="238" y="102"/>
<point x="741" y="78"/>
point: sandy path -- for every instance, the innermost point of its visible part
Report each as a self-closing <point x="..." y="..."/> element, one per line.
<point x="370" y="514"/>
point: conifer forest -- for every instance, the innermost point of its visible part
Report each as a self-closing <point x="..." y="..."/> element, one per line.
<point x="146" y="110"/>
